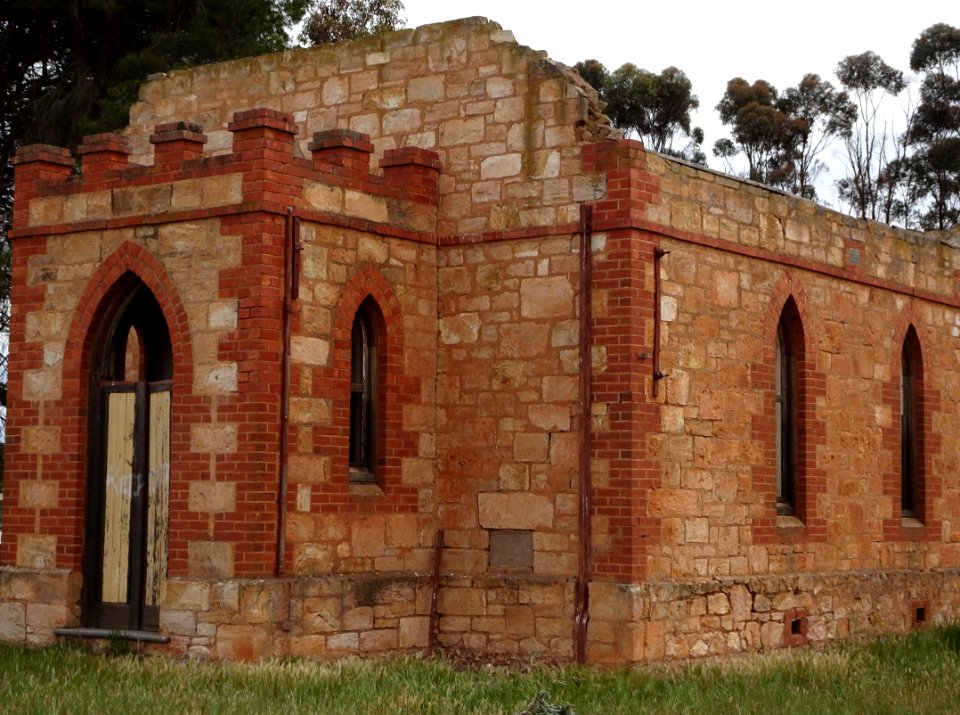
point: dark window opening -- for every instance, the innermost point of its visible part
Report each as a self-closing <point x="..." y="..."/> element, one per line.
<point x="785" y="369"/>
<point x="363" y="402"/>
<point x="910" y="458"/>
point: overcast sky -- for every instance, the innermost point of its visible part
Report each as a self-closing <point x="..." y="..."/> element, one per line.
<point x="711" y="42"/>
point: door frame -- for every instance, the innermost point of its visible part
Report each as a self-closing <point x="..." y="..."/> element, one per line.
<point x="131" y="309"/>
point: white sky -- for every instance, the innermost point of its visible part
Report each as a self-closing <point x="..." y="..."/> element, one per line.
<point x="712" y="42"/>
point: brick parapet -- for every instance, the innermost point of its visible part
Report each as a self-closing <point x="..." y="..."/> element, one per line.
<point x="176" y="143"/>
<point x="103" y="153"/>
<point x="182" y="184"/>
<point x="36" y="166"/>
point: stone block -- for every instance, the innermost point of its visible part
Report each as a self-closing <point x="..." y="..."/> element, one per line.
<point x="308" y="468"/>
<point x="531" y="447"/>
<point x="344" y="642"/>
<point x="365" y="206"/>
<point x="215" y="379"/>
<point x="514" y="477"/>
<point x="468" y="130"/>
<point x="514" y="510"/>
<point x="210" y="559"/>
<point x="324" y="198"/>
<point x="358" y="619"/>
<point x="37" y="552"/>
<point x="550" y="297"/>
<point x="185" y="595"/>
<point x="718" y="604"/>
<point x="372" y="249"/>
<point x="519" y="340"/>
<point x="312" y="558"/>
<point x="13" y="622"/>
<point x="244" y="643"/>
<point x="321" y="615"/>
<point x="378" y="641"/>
<point x="140" y="200"/>
<point x="42" y="618"/>
<point x="414" y="632"/>
<point x="41" y="384"/>
<point x="560" y="389"/>
<point x="462" y="602"/>
<point x="214" y="438"/>
<point x="403" y="531"/>
<point x="674" y="502"/>
<point x="309" y="351"/>
<point x="222" y="315"/>
<point x="36" y="494"/>
<point x="178" y="623"/>
<point x="500" y="166"/>
<point x="463" y="328"/>
<point x="367" y="536"/>
<point x="310" y="410"/>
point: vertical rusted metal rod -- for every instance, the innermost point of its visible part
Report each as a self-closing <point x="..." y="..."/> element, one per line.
<point x="435" y="585"/>
<point x="290" y="239"/>
<point x="582" y="608"/>
<point x="658" y="375"/>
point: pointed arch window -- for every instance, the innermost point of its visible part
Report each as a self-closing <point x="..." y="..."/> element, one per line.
<point x="363" y="394"/>
<point x="911" y="460"/>
<point x="788" y="399"/>
<point x="786" y="416"/>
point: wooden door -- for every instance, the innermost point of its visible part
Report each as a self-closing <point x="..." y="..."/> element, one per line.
<point x="134" y="497"/>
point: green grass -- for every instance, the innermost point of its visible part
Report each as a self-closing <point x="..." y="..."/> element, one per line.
<point x="915" y="674"/>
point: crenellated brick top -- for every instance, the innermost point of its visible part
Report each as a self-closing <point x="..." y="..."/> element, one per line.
<point x="261" y="169"/>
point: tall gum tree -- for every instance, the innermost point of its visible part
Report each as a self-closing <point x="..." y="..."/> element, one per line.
<point x="873" y="153"/>
<point x="935" y="131"/>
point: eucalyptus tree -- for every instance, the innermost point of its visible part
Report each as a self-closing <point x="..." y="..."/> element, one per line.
<point x="655" y="107"/>
<point x="935" y="131"/>
<point x="874" y="155"/>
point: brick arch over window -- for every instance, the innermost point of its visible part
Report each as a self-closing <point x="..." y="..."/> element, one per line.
<point x="129" y="258"/>
<point x="369" y="293"/>
<point x="790" y="444"/>
<point x="129" y="263"/>
<point x="913" y="518"/>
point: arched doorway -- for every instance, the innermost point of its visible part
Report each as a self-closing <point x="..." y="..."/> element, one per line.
<point x="131" y="378"/>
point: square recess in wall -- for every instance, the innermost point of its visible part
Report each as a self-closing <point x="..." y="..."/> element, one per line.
<point x="795" y="627"/>
<point x="920" y="611"/>
<point x="511" y="549"/>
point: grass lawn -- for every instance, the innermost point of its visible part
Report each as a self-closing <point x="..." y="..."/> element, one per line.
<point x="914" y="674"/>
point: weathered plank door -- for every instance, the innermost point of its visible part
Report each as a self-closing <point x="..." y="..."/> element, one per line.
<point x="131" y="379"/>
<point x="135" y="496"/>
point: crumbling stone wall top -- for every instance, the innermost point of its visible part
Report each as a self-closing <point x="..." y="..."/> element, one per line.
<point x="506" y="122"/>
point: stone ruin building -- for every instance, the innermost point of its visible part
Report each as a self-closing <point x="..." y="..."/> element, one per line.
<point x="394" y="346"/>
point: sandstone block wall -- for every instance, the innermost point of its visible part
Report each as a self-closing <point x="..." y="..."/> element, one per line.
<point x="504" y="120"/>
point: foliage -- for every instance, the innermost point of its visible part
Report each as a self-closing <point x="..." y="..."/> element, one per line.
<point x="594" y="72"/>
<point x="935" y="131"/>
<point x="74" y="67"/>
<point x="656" y="107"/>
<point x="819" y="113"/>
<point x="336" y="20"/>
<point x="759" y="128"/>
<point x="875" y="158"/>
<point x="781" y="135"/>
<point x="916" y="673"/>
